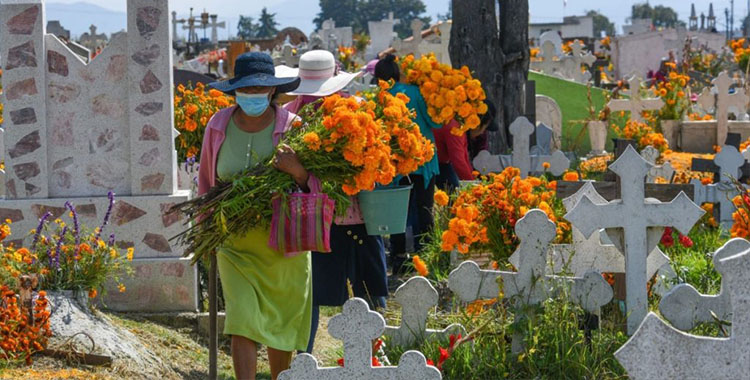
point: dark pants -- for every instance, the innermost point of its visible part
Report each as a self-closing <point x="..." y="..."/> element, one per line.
<point x="420" y="206"/>
<point x="447" y="180"/>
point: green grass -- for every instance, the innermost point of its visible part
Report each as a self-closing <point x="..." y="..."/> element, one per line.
<point x="572" y="99"/>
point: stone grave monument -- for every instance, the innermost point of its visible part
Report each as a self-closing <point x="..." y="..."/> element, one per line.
<point x="357" y="327"/>
<point x="633" y="214"/>
<point x="660" y="350"/>
<point x="76" y="131"/>
<point x="729" y="160"/>
<point x="721" y="101"/>
<point x="635" y="105"/>
<point x="331" y="36"/>
<point x="381" y="35"/>
<point x="549" y="114"/>
<point x="665" y="170"/>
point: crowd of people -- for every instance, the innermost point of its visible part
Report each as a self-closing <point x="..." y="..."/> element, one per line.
<point x="275" y="300"/>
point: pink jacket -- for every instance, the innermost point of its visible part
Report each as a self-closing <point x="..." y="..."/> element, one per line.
<point x="215" y="135"/>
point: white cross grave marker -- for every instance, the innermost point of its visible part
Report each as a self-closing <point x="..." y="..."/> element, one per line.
<point x="571" y="65"/>
<point x="412" y="46"/>
<point x="530" y="285"/>
<point x="589" y="254"/>
<point x="722" y="101"/>
<point x="635" y="104"/>
<point x="634" y="215"/>
<point x="729" y="160"/>
<point x="651" y="154"/>
<point x="521" y="158"/>
<point x="417" y="297"/>
<point x="659" y="350"/>
<point x="554" y="38"/>
<point x="684" y="307"/>
<point x="215" y="28"/>
<point x="549" y="65"/>
<point x="357" y="327"/>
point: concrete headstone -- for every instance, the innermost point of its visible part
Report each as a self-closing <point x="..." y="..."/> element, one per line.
<point x="721" y="101"/>
<point x="665" y="170"/>
<point x="729" y="160"/>
<point x="597" y="136"/>
<point x="550" y="114"/>
<point x="554" y="38"/>
<point x="635" y="105"/>
<point x="634" y="215"/>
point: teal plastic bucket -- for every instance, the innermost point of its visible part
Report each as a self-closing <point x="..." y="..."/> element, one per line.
<point x="385" y="210"/>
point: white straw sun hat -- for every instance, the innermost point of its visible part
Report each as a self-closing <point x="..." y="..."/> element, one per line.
<point x="317" y="71"/>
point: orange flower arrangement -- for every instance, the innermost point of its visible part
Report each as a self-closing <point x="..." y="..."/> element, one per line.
<point x="675" y="94"/>
<point x="193" y="108"/>
<point x="484" y="215"/>
<point x="420" y="266"/>
<point x="643" y="134"/>
<point x="741" y="217"/>
<point x="449" y="93"/>
<point x="347" y="58"/>
<point x="20" y="334"/>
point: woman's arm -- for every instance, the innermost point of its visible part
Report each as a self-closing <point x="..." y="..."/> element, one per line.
<point x="286" y="160"/>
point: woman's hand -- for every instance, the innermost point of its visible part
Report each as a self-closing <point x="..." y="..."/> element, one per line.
<point x="286" y="160"/>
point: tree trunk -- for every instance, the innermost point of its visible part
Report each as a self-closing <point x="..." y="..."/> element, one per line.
<point x="475" y="42"/>
<point x="514" y="32"/>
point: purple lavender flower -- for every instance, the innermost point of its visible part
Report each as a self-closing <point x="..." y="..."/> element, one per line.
<point x="59" y="245"/>
<point x="112" y="239"/>
<point x="49" y="256"/>
<point x="76" y="226"/>
<point x="39" y="228"/>
<point x="111" y="197"/>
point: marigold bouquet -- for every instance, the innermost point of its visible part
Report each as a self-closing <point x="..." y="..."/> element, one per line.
<point x="193" y="108"/>
<point x="484" y="215"/>
<point x="448" y="92"/>
<point x="643" y="134"/>
<point x="22" y="334"/>
<point x="674" y="92"/>
<point x="349" y="144"/>
<point x="67" y="257"/>
<point x="347" y="57"/>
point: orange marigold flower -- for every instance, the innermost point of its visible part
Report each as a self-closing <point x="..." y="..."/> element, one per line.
<point x="420" y="266"/>
<point x="441" y="198"/>
<point x="93" y="293"/>
<point x="570" y="176"/>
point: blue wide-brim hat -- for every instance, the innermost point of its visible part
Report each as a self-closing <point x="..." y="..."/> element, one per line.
<point x="255" y="69"/>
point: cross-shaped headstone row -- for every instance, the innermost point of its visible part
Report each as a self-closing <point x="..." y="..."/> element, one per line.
<point x="634" y="215"/>
<point x="635" y="105"/>
<point x="521" y="129"/>
<point x="684" y="306"/>
<point x="728" y="164"/>
<point x="719" y="99"/>
<point x="357" y="327"/>
<point x="660" y="350"/>
<point x="665" y="170"/>
<point x="530" y="285"/>
<point x="417" y="297"/>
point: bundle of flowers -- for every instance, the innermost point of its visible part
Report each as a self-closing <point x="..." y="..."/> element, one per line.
<point x="673" y="90"/>
<point x="448" y="92"/>
<point x="643" y="134"/>
<point x="347" y="57"/>
<point x="349" y="144"/>
<point x="67" y="256"/>
<point x="485" y="215"/>
<point x="193" y="108"/>
<point x="741" y="53"/>
<point x="21" y="334"/>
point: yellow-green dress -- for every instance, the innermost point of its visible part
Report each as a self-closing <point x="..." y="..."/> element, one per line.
<point x="268" y="297"/>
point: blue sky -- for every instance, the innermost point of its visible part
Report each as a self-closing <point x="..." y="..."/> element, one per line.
<point x="300" y="13"/>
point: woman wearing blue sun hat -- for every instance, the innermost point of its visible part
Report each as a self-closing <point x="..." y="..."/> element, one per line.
<point x="268" y="296"/>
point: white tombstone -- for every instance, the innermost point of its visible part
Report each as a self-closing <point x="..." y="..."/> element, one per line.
<point x="660" y="350"/>
<point x="729" y="160"/>
<point x="549" y="113"/>
<point x="571" y="64"/>
<point x="589" y="254"/>
<point x="550" y="63"/>
<point x="417" y="297"/>
<point x="332" y="37"/>
<point x="410" y="46"/>
<point x="597" y="136"/>
<point x="440" y="49"/>
<point x="554" y="38"/>
<point x="635" y="105"/>
<point x="651" y="154"/>
<point x="684" y="306"/>
<point x="521" y="158"/>
<point x="215" y="29"/>
<point x="721" y="101"/>
<point x="357" y="327"/>
<point x="381" y="35"/>
<point x="634" y="215"/>
<point x="530" y="285"/>
<point x="76" y="132"/>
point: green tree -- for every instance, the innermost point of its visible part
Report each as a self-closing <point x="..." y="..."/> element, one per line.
<point x="660" y="16"/>
<point x="246" y="28"/>
<point x="601" y="24"/>
<point x="267" y="24"/>
<point x="356" y="13"/>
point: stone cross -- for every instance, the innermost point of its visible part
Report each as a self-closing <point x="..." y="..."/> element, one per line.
<point x="332" y="36"/>
<point x="572" y="64"/>
<point x="729" y="161"/>
<point x="651" y="154"/>
<point x="521" y="158"/>
<point x="215" y="28"/>
<point x="660" y="350"/>
<point x="530" y="285"/>
<point x="589" y="254"/>
<point x="175" y="21"/>
<point x="549" y="65"/>
<point x="190" y="27"/>
<point x="404" y="47"/>
<point x="544" y="135"/>
<point x="684" y="307"/>
<point x="634" y="215"/>
<point x="417" y="297"/>
<point x="722" y="102"/>
<point x="635" y="104"/>
<point x="357" y="327"/>
<point x="440" y="49"/>
<point x="554" y="38"/>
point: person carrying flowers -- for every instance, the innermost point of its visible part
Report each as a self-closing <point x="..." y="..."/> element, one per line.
<point x="268" y="296"/>
<point x="423" y="179"/>
<point x="355" y="256"/>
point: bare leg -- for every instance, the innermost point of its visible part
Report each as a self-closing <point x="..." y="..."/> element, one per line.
<point x="279" y="361"/>
<point x="244" y="357"/>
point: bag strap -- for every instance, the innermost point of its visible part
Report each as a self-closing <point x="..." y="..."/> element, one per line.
<point x="314" y="184"/>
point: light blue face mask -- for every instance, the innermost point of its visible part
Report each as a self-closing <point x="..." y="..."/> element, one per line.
<point x="253" y="104"/>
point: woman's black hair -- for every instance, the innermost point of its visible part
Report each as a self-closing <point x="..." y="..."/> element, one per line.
<point x="489" y="117"/>
<point x="387" y="68"/>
